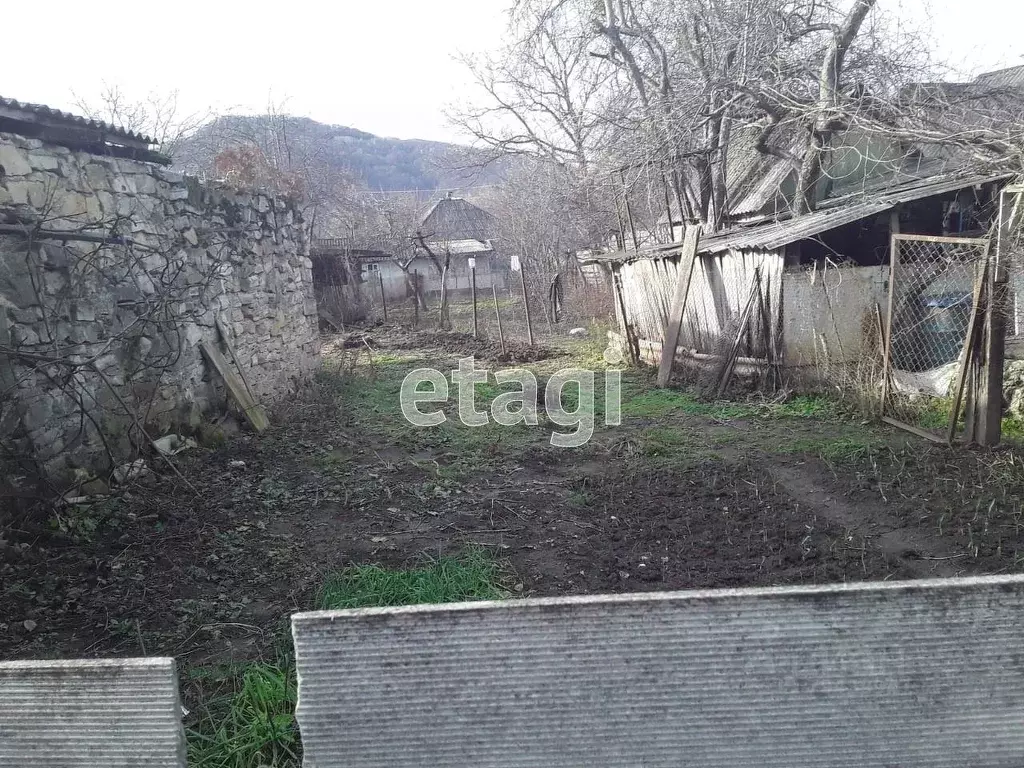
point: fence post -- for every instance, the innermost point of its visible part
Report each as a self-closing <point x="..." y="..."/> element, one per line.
<point x="887" y="352"/>
<point x="497" y="314"/>
<point x="383" y="298"/>
<point x="526" y="302"/>
<point x="472" y="287"/>
<point x="990" y="389"/>
<point x="415" y="298"/>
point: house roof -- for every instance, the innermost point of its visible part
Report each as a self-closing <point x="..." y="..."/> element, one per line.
<point x="463" y="247"/>
<point x="455" y="218"/>
<point x="1012" y="77"/>
<point x="834" y="213"/>
<point x="752" y="177"/>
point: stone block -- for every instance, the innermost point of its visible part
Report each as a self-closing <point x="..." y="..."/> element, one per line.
<point x="83" y="312"/>
<point x="123" y="184"/>
<point x="72" y="205"/>
<point x="27" y="192"/>
<point x="24" y="336"/>
<point x="13" y="161"/>
<point x="43" y="161"/>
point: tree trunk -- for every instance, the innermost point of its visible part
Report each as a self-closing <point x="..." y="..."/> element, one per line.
<point x="826" y="112"/>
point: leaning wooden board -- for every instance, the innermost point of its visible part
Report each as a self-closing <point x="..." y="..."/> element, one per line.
<point x="687" y="258"/>
<point x="253" y="412"/>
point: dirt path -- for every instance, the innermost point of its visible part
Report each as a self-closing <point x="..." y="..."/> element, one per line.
<point x="683" y="494"/>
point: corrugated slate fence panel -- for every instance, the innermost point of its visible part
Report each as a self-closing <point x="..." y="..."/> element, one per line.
<point x="102" y="714"/>
<point x="912" y="674"/>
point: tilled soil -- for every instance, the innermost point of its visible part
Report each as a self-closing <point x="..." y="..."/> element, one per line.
<point x="210" y="573"/>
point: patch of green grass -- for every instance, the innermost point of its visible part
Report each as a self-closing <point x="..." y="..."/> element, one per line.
<point x="472" y="575"/>
<point x="807" y="406"/>
<point x="834" y="450"/>
<point x="252" y="726"/>
<point x="1013" y="428"/>
<point x="665" y="402"/>
<point x="579" y="499"/>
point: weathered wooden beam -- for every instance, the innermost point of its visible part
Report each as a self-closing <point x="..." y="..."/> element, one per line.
<point x="253" y="412"/>
<point x="670" y="339"/>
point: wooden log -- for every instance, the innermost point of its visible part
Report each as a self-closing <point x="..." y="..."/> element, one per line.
<point x="913" y="430"/>
<point x="687" y="260"/>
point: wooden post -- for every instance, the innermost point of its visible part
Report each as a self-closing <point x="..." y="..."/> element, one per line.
<point x="970" y="344"/>
<point x="383" y="298"/>
<point x="670" y="339"/>
<point x="629" y="211"/>
<point x="415" y="298"/>
<point x="988" y="429"/>
<point x="632" y="348"/>
<point x="668" y="207"/>
<point x="887" y="352"/>
<point x="526" y="302"/>
<point x="497" y="314"/>
<point x="472" y="287"/>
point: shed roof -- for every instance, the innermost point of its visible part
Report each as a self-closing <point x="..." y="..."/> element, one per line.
<point x="40" y="113"/>
<point x="836" y="213"/>
<point x="56" y="126"/>
<point x="1011" y="77"/>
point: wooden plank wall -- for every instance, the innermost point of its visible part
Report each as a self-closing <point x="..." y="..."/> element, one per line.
<point x="721" y="285"/>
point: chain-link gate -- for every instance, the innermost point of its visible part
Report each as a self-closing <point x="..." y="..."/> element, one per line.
<point x="934" y="290"/>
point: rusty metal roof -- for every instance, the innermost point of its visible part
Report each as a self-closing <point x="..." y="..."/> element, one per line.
<point x="40" y="113"/>
<point x="838" y="213"/>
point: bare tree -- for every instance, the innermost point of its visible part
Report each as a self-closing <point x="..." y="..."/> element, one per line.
<point x="673" y="82"/>
<point x="157" y="115"/>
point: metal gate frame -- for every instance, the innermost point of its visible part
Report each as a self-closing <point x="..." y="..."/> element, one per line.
<point x="982" y="243"/>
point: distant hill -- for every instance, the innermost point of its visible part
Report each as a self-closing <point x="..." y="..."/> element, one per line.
<point x="379" y="163"/>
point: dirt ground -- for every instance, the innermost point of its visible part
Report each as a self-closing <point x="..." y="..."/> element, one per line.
<point x="683" y="494"/>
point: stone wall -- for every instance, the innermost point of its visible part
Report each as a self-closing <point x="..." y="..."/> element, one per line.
<point x="112" y="273"/>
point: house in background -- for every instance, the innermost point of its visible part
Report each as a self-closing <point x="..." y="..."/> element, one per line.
<point x="454" y="227"/>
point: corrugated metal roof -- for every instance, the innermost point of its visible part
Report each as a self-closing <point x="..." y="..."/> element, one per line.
<point x="838" y="213"/>
<point x="90" y="714"/>
<point x="919" y="673"/>
<point x="1012" y="77"/>
<point x="32" y="113"/>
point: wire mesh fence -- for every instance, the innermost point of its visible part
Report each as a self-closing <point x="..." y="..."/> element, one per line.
<point x="933" y="296"/>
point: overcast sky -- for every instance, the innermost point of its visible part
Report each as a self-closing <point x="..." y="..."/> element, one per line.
<point x="383" y="66"/>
